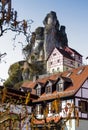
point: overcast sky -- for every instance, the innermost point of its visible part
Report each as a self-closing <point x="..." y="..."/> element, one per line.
<point x="71" y="13"/>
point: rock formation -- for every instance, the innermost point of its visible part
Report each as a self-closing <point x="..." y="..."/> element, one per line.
<point x="42" y="42"/>
<point x="46" y="38"/>
<point x="54" y="35"/>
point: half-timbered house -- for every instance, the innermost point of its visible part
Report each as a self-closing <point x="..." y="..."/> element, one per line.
<point x="62" y="101"/>
<point x="63" y="59"/>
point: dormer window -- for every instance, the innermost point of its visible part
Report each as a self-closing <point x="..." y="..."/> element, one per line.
<point x="48" y="88"/>
<point x="38" y="90"/>
<point x="60" y="86"/>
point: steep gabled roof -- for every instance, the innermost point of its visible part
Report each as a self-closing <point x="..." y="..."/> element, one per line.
<point x="38" y="83"/>
<point x="66" y="79"/>
<point x="72" y="51"/>
<point x="75" y="51"/>
<point x="63" y="52"/>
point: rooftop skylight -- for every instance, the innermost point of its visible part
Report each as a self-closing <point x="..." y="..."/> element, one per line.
<point x="69" y="74"/>
<point x="80" y="71"/>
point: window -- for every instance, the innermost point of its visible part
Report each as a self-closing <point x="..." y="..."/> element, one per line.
<point x="51" y="63"/>
<point x="48" y="89"/>
<point x="38" y="91"/>
<point x="59" y="86"/>
<point x="49" y="107"/>
<point x="58" y="69"/>
<point x="54" y="54"/>
<point x="53" y="70"/>
<point x="58" y="61"/>
<point x="72" y="63"/>
<point x="79" y="57"/>
<point x="67" y="68"/>
<point x="38" y="109"/>
<point x="78" y="65"/>
<point x="83" y="106"/>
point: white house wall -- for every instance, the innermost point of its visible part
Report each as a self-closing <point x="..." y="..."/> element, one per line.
<point x="83" y="91"/>
<point x="82" y="94"/>
<point x="55" y="62"/>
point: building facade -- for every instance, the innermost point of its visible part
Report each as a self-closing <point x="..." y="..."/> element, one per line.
<point x="63" y="59"/>
<point x="62" y="101"/>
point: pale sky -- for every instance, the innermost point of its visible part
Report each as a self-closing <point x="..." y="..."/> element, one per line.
<point x="71" y="13"/>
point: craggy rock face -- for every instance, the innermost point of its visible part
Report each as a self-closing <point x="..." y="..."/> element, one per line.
<point x="51" y="19"/>
<point x="39" y="33"/>
<point x="54" y="34"/>
<point x="45" y="39"/>
<point x="39" y="40"/>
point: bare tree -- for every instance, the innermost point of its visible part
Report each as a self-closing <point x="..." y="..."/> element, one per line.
<point x="9" y="21"/>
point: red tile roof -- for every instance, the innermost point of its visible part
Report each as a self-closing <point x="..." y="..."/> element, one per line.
<point x="77" y="80"/>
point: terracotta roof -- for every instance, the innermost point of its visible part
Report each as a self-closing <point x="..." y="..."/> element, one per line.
<point x="78" y="76"/>
<point x="29" y="84"/>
